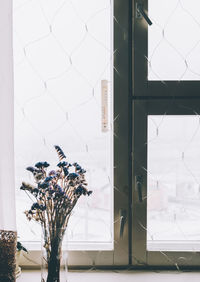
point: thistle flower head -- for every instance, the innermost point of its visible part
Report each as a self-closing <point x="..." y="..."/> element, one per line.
<point x="62" y="164"/>
<point x="35" y="206"/>
<point x="52" y="173"/>
<point x="30" y="168"/>
<point x="80" y="190"/>
<point x="66" y="171"/>
<point x="77" y="166"/>
<point x="41" y="165"/>
<point x="43" y="185"/>
<point x="72" y="176"/>
<point x="48" y="179"/>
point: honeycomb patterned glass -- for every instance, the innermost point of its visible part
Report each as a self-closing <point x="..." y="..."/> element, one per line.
<point x="174" y="40"/>
<point x="63" y="96"/>
<point x="173" y="196"/>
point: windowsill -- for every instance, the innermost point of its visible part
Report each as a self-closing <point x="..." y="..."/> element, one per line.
<point x="113" y="276"/>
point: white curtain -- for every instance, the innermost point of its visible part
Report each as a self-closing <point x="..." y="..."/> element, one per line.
<point x="7" y="189"/>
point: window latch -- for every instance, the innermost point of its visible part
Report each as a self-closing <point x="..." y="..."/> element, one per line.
<point x="141" y="13"/>
<point x="123" y="217"/>
<point x="138" y="185"/>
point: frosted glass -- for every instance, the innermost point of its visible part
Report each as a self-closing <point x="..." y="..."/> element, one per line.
<point x="173" y="190"/>
<point x="174" y="40"/>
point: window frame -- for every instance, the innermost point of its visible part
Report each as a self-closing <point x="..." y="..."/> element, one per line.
<point x="152" y="98"/>
<point x="122" y="77"/>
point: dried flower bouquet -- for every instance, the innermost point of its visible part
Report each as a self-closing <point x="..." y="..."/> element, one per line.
<point x="56" y="193"/>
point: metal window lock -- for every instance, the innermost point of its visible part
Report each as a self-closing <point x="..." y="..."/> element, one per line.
<point x="123" y="218"/>
<point x="141" y="13"/>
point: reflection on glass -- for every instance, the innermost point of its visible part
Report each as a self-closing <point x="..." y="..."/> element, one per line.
<point x="174" y="40"/>
<point x="173" y="189"/>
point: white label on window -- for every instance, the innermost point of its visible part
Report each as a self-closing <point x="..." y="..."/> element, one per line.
<point x="104" y="103"/>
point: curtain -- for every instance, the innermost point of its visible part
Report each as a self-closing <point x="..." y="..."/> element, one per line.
<point x="7" y="188"/>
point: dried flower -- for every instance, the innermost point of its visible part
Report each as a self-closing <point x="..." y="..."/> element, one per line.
<point x="20" y="247"/>
<point x="60" y="152"/>
<point x="27" y="186"/>
<point x="62" y="164"/>
<point x="72" y="176"/>
<point x="52" y="173"/>
<point x="66" y="171"/>
<point x="31" y="168"/>
<point x="56" y="193"/>
<point x="49" y="178"/>
<point x="43" y="185"/>
<point x="41" y="164"/>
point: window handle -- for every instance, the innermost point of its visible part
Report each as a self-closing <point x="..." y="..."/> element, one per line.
<point x="140" y="12"/>
<point x="123" y="217"/>
<point x="138" y="185"/>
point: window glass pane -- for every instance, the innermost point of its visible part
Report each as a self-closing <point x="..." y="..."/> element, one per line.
<point x="173" y="199"/>
<point x="63" y="96"/>
<point x="174" y="40"/>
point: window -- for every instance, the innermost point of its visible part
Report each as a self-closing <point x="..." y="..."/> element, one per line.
<point x="165" y="133"/>
<point x="32" y="55"/>
<point x="63" y="96"/>
<point x="172" y="183"/>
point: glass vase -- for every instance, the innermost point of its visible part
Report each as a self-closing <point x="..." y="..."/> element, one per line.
<point x="54" y="256"/>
